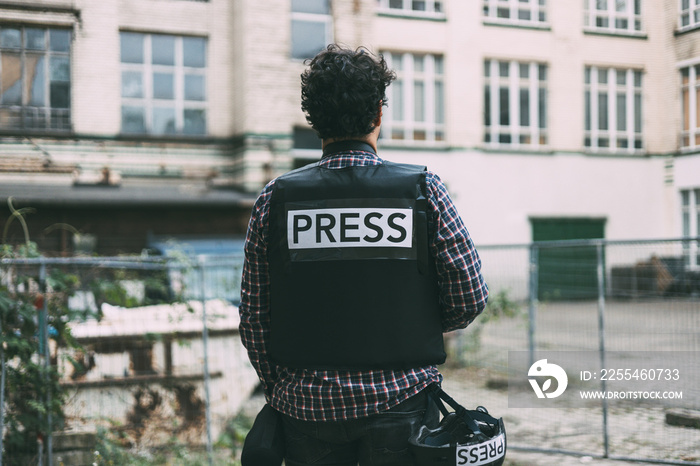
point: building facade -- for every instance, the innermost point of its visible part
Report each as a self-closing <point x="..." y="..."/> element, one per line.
<point x="132" y="120"/>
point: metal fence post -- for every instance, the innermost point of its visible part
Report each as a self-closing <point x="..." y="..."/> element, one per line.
<point x="532" y="308"/>
<point x="2" y="396"/>
<point x="601" y="339"/>
<point x="44" y="354"/>
<point x="205" y="344"/>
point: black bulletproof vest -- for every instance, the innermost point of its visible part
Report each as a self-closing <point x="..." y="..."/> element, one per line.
<point x="352" y="282"/>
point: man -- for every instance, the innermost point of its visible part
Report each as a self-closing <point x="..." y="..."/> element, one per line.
<point x="354" y="267"/>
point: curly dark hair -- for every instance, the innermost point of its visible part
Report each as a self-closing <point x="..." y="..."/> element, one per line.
<point x="342" y="91"/>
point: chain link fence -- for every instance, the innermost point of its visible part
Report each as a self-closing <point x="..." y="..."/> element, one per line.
<point x="150" y="359"/>
<point x="603" y="298"/>
<point x="157" y="359"/>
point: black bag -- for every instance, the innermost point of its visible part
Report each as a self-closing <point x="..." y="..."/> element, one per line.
<point x="264" y="444"/>
<point x="462" y="437"/>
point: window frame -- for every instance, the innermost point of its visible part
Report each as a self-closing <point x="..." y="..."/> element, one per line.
<point x="514" y="7"/>
<point x="538" y="113"/>
<point x="178" y="102"/>
<point x="406" y="10"/>
<point x="692" y="12"/>
<point x="433" y="124"/>
<point x="690" y="113"/>
<point x="611" y="15"/>
<point x="318" y="18"/>
<point x="633" y="116"/>
<point x="690" y="226"/>
<point x="56" y="119"/>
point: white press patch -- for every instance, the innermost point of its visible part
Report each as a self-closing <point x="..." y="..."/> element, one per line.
<point x="482" y="453"/>
<point x="350" y="227"/>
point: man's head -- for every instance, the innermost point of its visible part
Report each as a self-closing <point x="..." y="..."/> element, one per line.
<point x="343" y="90"/>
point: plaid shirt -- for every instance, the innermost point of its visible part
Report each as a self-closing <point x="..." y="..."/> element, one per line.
<point x="341" y="395"/>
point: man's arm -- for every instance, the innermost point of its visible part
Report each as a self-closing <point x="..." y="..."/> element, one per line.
<point x="463" y="292"/>
<point x="255" y="295"/>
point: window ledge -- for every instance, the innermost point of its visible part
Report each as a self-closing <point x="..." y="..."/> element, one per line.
<point x="614" y="152"/>
<point x="686" y="29"/>
<point x="164" y="137"/>
<point x="413" y="145"/>
<point x="33" y="133"/>
<point x="510" y="149"/>
<point x="406" y="14"/>
<point x="688" y="151"/>
<point x="518" y="24"/>
<point x="56" y="15"/>
<point x="615" y="33"/>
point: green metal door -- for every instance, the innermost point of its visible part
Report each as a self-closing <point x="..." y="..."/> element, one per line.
<point x="567" y="272"/>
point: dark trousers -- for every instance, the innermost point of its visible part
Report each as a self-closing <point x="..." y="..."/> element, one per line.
<point x="381" y="439"/>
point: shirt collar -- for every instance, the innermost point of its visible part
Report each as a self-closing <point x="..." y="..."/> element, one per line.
<point x="345" y="146"/>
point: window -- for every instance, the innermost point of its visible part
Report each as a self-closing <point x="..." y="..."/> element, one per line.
<point x="690" y="14"/>
<point x="613" y="109"/>
<point x="527" y="12"/>
<point x="515" y="103"/>
<point x="432" y="8"/>
<point x="35" y="78"/>
<point x="163" y="84"/>
<point x="305" y="139"/>
<point x="690" y="103"/>
<point x="613" y="15"/>
<point x="690" y="215"/>
<point x="311" y="27"/>
<point x="306" y="146"/>
<point x="416" y="110"/>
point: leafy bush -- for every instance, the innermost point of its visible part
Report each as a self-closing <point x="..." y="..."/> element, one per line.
<point x="33" y="311"/>
<point x="465" y="344"/>
<point x="34" y="314"/>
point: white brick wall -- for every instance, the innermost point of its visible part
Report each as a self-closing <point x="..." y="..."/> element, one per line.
<point x="96" y="74"/>
<point x="253" y="93"/>
<point x="253" y="85"/>
<point x="96" y="56"/>
<point x="515" y="186"/>
<point x="564" y="47"/>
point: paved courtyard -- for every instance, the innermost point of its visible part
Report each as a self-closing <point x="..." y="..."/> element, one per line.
<point x="668" y="327"/>
<point x="635" y="430"/>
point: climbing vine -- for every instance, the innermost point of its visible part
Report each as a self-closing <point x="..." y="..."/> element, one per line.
<point x="34" y="317"/>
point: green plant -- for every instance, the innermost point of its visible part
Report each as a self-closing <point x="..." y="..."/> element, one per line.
<point x="234" y="434"/>
<point x="113" y="448"/>
<point x="112" y="292"/>
<point x="500" y="306"/>
<point x="33" y="310"/>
